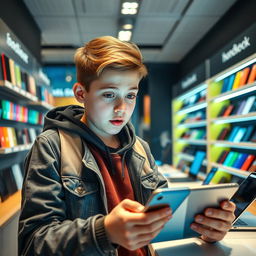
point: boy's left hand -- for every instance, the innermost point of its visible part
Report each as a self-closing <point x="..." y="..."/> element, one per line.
<point x="215" y="222"/>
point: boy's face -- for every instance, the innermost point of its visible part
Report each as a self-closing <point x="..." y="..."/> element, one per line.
<point x="110" y="102"/>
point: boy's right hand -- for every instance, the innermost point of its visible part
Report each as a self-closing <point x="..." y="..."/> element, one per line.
<point x="131" y="228"/>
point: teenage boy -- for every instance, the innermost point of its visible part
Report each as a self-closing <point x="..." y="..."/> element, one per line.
<point x="96" y="208"/>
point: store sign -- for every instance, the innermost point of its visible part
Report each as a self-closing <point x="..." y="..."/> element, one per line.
<point x="15" y="46"/>
<point x="238" y="49"/>
<point x="62" y="92"/>
<point x="11" y="46"/>
<point x="194" y="78"/>
<point x="189" y="81"/>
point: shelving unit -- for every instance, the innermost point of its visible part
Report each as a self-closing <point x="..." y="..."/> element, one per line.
<point x="11" y="205"/>
<point x="193" y="142"/>
<point x="18" y="98"/>
<point x="213" y="124"/>
<point x="242" y="145"/>
<point x="6" y="86"/>
<point x="189" y="115"/>
<point x="231" y="170"/>
<point x="216" y="100"/>
<point x="19" y="148"/>
<point x="234" y="119"/>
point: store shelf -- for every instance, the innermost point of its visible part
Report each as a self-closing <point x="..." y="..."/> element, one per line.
<point x="191" y="109"/>
<point x="40" y="105"/>
<point x="242" y="145"/>
<point x="201" y="176"/>
<point x="231" y="170"/>
<point x="233" y="119"/>
<point x="15" y="149"/>
<point x="192" y="92"/>
<point x="241" y="91"/>
<point x="192" y="142"/>
<point x="190" y="158"/>
<point x="192" y="124"/>
<point x="7" y="87"/>
<point x="10" y="207"/>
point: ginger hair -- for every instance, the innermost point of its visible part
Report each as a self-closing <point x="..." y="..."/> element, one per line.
<point x="105" y="53"/>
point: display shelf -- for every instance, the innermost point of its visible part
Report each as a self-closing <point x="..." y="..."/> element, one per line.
<point x="192" y="92"/>
<point x="185" y="108"/>
<point x="233" y="119"/>
<point x="190" y="158"/>
<point x="218" y="98"/>
<point x="7" y="87"/>
<point x="201" y="176"/>
<point x="15" y="149"/>
<point x="10" y="207"/>
<point x="242" y="145"/>
<point x="220" y="95"/>
<point x="192" y="142"/>
<point x="201" y="123"/>
<point x="234" y="68"/>
<point x="40" y="105"/>
<point x="241" y="91"/>
<point x="231" y="170"/>
<point x="190" y="109"/>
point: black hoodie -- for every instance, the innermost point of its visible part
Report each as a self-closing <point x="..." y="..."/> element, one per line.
<point x="68" y="118"/>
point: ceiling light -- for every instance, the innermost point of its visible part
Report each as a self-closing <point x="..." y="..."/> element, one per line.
<point x="127" y="26"/>
<point x="130" y="5"/>
<point x="124" y="35"/>
<point x="68" y="78"/>
<point x="126" y="11"/>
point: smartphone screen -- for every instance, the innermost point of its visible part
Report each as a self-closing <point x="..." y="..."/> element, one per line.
<point x="209" y="176"/>
<point x="245" y="194"/>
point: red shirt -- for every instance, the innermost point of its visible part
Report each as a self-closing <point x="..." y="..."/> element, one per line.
<point x="118" y="188"/>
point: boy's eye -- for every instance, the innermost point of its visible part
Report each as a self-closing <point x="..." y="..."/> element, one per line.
<point x="131" y="96"/>
<point x="109" y="95"/>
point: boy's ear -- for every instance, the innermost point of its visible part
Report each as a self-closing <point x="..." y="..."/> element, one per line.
<point x="79" y="92"/>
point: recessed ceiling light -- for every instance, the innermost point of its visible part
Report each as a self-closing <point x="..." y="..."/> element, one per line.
<point x="124" y="35"/>
<point x="126" y="11"/>
<point x="130" y="5"/>
<point x="127" y="26"/>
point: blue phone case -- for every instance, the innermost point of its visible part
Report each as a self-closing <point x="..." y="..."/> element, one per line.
<point x="168" y="197"/>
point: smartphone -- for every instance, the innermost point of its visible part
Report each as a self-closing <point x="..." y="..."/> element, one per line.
<point x="209" y="176"/>
<point x="245" y="195"/>
<point x="166" y="197"/>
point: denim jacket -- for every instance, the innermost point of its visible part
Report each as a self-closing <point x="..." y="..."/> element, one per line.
<point x="59" y="211"/>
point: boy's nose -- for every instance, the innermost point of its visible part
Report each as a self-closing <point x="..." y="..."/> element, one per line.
<point x="120" y="106"/>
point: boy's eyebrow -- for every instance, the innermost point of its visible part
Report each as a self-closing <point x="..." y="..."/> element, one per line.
<point x="116" y="87"/>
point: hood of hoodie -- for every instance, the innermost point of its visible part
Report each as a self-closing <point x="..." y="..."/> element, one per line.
<point x="68" y="118"/>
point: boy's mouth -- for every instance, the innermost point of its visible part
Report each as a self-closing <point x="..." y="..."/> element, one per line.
<point x="116" y="122"/>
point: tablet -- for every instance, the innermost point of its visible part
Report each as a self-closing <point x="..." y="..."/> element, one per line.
<point x="187" y="202"/>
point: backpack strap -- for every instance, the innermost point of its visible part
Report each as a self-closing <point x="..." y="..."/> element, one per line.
<point x="70" y="153"/>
